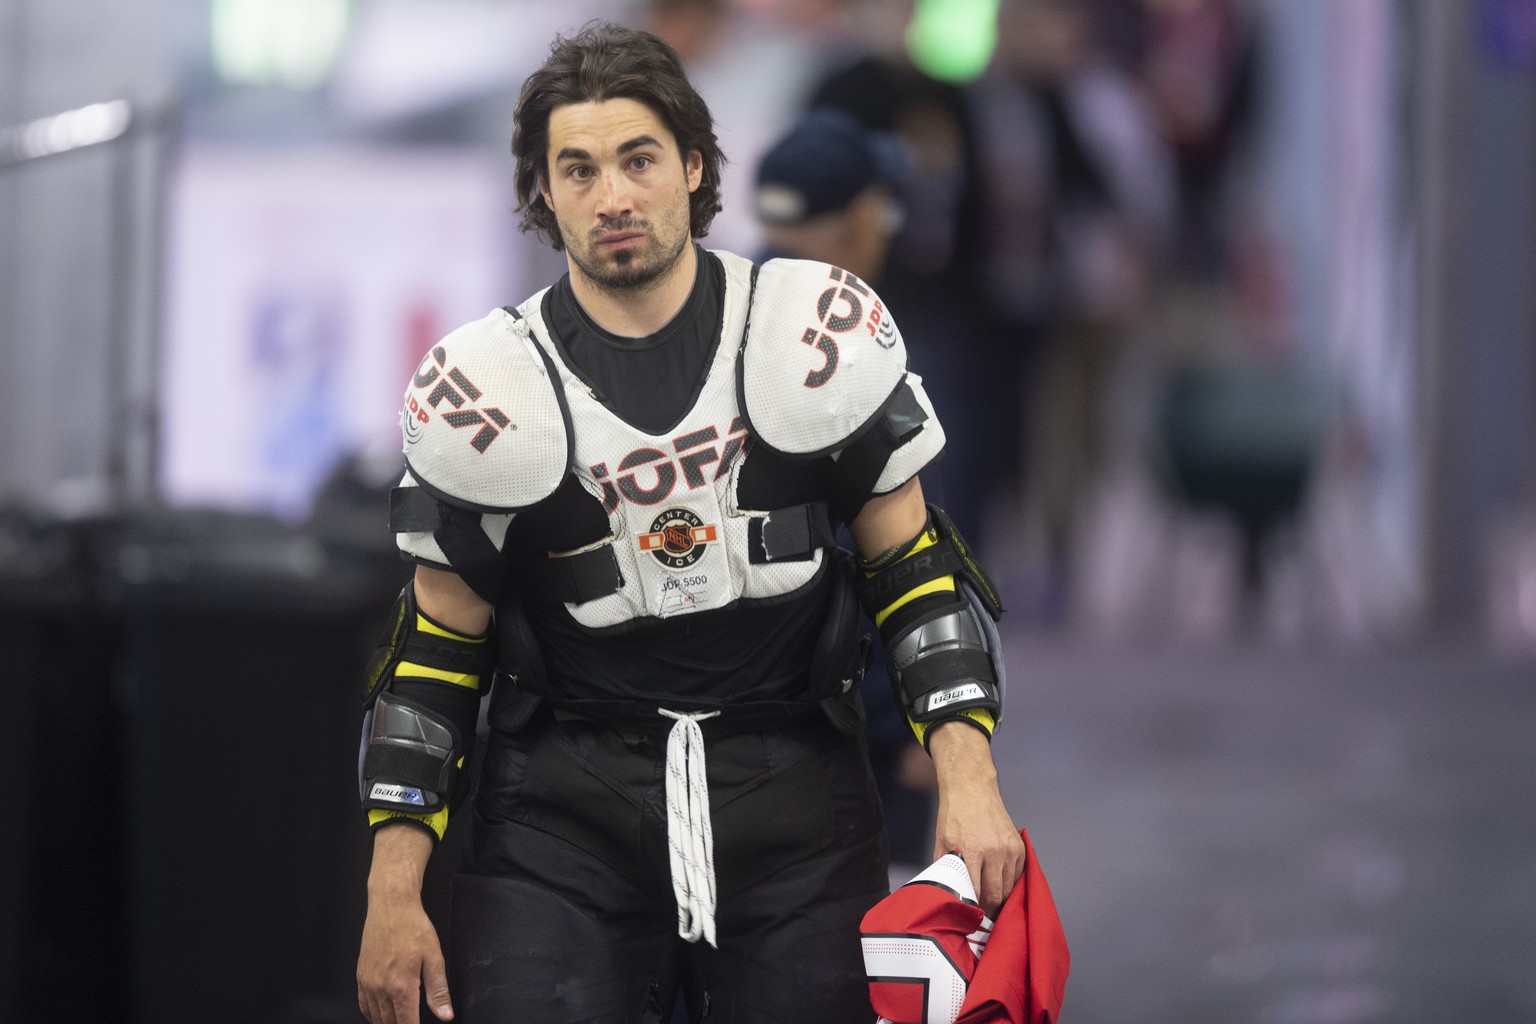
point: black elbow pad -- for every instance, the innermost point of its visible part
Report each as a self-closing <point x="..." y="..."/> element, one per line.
<point x="422" y="700"/>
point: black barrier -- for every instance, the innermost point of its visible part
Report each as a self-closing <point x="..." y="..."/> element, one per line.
<point x="63" y="923"/>
<point x="181" y="757"/>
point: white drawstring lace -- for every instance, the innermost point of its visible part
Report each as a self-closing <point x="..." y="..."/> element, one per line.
<point x="690" y="838"/>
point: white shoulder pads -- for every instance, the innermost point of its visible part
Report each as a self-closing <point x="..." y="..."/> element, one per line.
<point x="821" y="357"/>
<point x="485" y="422"/>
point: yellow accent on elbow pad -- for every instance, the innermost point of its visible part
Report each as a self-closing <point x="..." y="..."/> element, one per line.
<point x="411" y="670"/>
<point x="983" y="720"/>
<point x="426" y="625"/>
<point x="414" y="670"/>
<point x="927" y="539"/>
<point x="438" y="822"/>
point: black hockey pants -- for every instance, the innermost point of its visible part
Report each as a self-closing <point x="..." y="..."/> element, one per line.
<point x="563" y="911"/>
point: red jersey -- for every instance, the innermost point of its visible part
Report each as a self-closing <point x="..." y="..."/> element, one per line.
<point x="924" y="946"/>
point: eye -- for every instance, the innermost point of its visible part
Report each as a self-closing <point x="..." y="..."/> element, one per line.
<point x="579" y="172"/>
<point x="641" y="162"/>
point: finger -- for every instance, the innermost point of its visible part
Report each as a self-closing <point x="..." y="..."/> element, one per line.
<point x="384" y="1008"/>
<point x="975" y="866"/>
<point x="1010" y="867"/>
<point x="393" y="1004"/>
<point x="406" y="1006"/>
<point x="994" y="884"/>
<point x="434" y="978"/>
<point x="368" y="1001"/>
<point x="1014" y="857"/>
<point x="377" y="1012"/>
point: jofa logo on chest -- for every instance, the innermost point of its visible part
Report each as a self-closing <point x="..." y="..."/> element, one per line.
<point x="696" y="452"/>
<point x="678" y="538"/>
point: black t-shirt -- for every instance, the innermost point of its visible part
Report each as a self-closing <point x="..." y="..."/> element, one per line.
<point x="749" y="651"/>
<point x="649" y="382"/>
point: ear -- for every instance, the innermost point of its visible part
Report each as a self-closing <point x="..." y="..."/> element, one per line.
<point x="693" y="166"/>
<point x="544" y="191"/>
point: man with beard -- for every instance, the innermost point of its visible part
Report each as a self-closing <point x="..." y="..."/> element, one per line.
<point x="622" y="497"/>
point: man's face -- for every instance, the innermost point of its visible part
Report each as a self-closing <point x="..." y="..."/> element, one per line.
<point x="619" y="190"/>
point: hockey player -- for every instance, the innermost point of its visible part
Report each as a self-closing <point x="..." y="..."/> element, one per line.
<point x="622" y="497"/>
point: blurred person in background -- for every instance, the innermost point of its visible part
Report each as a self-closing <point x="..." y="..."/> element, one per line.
<point x="1080" y="191"/>
<point x="830" y="190"/>
<point x="937" y="261"/>
<point x="1197" y="63"/>
<point x="1242" y="419"/>
<point x="751" y="69"/>
<point x="674" y="795"/>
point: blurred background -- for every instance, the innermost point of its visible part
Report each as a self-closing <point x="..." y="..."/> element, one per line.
<point x="1226" y="306"/>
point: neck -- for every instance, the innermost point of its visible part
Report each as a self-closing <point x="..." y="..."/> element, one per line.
<point x="643" y="310"/>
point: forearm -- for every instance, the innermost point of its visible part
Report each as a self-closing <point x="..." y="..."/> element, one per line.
<point x="962" y="757"/>
<point x="400" y="855"/>
<point x="972" y="818"/>
<point x="400" y="958"/>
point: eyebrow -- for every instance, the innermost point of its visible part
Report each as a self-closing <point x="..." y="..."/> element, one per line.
<point x="638" y="142"/>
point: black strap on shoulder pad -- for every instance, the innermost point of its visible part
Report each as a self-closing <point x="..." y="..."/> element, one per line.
<point x="470" y="551"/>
<point x="582" y="577"/>
<point x="860" y="464"/>
<point x="412" y="510"/>
<point x="457" y="531"/>
<point x="792" y="534"/>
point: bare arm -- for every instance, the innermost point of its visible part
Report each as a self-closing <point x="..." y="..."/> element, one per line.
<point x="447" y="598"/>
<point x="972" y="817"/>
<point x="888" y="520"/>
<point x="400" y="954"/>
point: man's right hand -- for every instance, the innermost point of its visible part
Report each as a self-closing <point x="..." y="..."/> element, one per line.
<point x="400" y="956"/>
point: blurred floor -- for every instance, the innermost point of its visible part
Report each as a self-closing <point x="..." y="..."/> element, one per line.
<point x="1286" y="836"/>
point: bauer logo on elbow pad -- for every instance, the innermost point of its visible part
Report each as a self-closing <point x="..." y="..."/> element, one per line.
<point x="943" y="698"/>
<point x="399" y="794"/>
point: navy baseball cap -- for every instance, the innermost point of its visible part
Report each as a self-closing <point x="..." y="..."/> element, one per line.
<point x="826" y="159"/>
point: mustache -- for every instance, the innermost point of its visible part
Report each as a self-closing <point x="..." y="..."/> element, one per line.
<point x="606" y="226"/>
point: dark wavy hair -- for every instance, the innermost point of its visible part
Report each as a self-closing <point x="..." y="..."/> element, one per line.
<point x="605" y="61"/>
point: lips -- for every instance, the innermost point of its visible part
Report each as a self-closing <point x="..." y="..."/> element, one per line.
<point x="619" y="239"/>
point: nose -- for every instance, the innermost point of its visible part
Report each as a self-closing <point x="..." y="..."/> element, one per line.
<point x="613" y="196"/>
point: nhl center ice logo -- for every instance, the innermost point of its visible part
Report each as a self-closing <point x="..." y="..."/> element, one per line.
<point x="677" y="538"/>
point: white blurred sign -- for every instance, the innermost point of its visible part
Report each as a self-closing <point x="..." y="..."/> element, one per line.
<point x="304" y="285"/>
